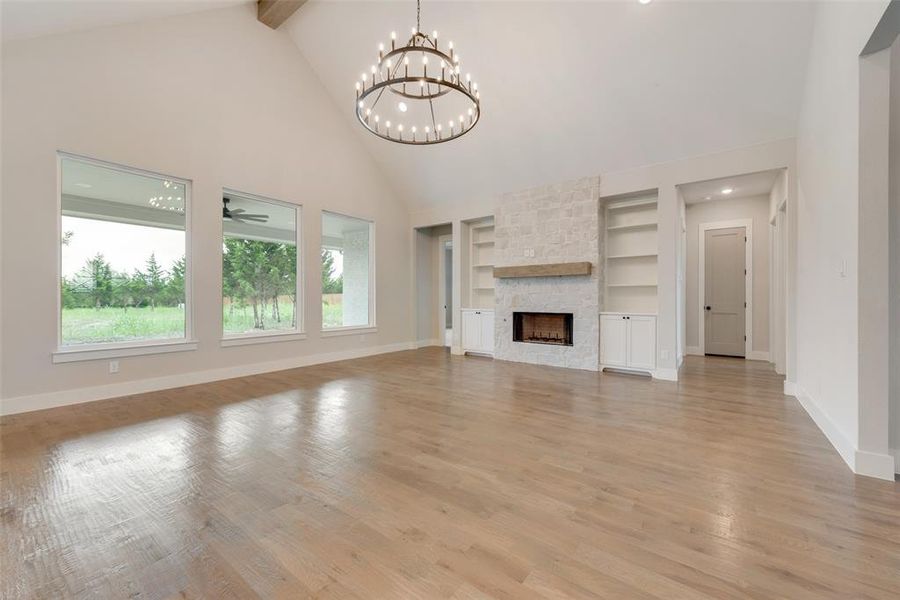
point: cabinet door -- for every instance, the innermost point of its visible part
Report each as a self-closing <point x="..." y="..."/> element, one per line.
<point x="613" y="340"/>
<point x="471" y="331"/>
<point x="487" y="332"/>
<point x="642" y="342"/>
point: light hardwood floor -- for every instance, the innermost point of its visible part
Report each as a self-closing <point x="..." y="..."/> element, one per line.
<point x="421" y="475"/>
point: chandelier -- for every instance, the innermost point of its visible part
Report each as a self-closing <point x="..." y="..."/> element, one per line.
<point x="415" y="93"/>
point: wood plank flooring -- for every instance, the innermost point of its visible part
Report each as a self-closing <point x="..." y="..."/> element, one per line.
<point x="424" y="475"/>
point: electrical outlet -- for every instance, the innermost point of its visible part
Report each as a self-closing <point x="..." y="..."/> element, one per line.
<point x="113" y="366"/>
<point x="529" y="252"/>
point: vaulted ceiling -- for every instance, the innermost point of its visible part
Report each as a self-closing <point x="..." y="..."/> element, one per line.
<point x="572" y="89"/>
<point x="569" y="89"/>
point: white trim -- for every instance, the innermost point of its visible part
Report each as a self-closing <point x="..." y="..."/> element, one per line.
<point x="261" y="338"/>
<point x="758" y="355"/>
<point x="372" y="312"/>
<point x="896" y="453"/>
<point x="873" y="464"/>
<point x="861" y="462"/>
<point x="428" y="343"/>
<point x="20" y="404"/>
<point x="354" y="330"/>
<point x="299" y="310"/>
<point x="790" y="388"/>
<point x="666" y="374"/>
<point x="76" y="354"/>
<point x="693" y="350"/>
<point x="840" y="443"/>
<point x="443" y="240"/>
<point x="747" y="224"/>
<point x="129" y="348"/>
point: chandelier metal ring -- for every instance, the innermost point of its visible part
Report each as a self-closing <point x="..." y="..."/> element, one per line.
<point x="430" y="88"/>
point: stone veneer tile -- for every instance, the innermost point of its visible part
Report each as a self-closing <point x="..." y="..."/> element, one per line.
<point x="561" y="223"/>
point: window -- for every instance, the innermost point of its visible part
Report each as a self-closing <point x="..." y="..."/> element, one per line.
<point x="260" y="295"/>
<point x="348" y="297"/>
<point x="124" y="271"/>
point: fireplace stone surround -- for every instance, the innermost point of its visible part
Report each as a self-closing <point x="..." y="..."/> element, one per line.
<point x="550" y="224"/>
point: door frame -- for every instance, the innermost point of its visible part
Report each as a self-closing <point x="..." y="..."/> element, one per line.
<point x="443" y="240"/>
<point x="747" y="224"/>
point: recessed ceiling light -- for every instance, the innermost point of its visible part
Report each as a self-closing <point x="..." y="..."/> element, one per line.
<point x="83" y="185"/>
<point x="727" y="190"/>
<point x="708" y="198"/>
<point x="645" y="1"/>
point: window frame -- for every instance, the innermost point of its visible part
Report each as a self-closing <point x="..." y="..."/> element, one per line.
<point x="262" y="337"/>
<point x="71" y="353"/>
<point x="371" y="326"/>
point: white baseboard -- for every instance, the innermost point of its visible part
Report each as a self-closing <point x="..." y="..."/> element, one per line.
<point x="861" y="462"/>
<point x="427" y="343"/>
<point x="758" y="355"/>
<point x="790" y="388"/>
<point x="693" y="350"/>
<point x="20" y="404"/>
<point x="840" y="442"/>
<point x="666" y="374"/>
<point x="457" y="350"/>
<point x="873" y="464"/>
<point x="896" y="453"/>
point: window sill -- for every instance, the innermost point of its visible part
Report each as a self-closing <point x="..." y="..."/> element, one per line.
<point x="75" y="354"/>
<point x="338" y="331"/>
<point x="261" y="338"/>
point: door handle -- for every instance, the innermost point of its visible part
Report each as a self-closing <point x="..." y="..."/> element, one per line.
<point x="709" y="308"/>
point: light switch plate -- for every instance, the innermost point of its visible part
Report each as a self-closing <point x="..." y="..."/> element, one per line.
<point x="113" y="366"/>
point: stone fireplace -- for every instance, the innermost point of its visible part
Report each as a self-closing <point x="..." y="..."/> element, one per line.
<point x="552" y="224"/>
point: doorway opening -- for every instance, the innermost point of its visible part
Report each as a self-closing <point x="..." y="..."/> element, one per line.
<point x="434" y="285"/>
<point x="734" y="299"/>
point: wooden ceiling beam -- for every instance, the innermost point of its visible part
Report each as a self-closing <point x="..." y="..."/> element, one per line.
<point x="275" y="12"/>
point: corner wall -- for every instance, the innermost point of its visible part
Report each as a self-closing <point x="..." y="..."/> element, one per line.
<point x="215" y="97"/>
<point x="828" y="233"/>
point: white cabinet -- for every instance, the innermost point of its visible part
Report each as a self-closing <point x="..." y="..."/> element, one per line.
<point x="478" y="330"/>
<point x="628" y="341"/>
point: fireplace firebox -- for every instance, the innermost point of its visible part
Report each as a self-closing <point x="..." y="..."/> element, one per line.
<point x="543" y="328"/>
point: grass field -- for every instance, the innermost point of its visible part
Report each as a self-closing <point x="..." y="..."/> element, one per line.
<point x="95" y="326"/>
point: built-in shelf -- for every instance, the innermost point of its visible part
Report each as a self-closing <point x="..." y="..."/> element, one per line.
<point x="629" y="204"/>
<point x="632" y="227"/>
<point x="618" y="256"/>
<point x="631" y="250"/>
<point x="481" y="263"/>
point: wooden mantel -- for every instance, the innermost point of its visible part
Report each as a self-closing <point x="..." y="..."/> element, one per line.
<point x="547" y="270"/>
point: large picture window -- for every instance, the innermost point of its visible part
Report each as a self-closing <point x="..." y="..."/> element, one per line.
<point x="347" y="268"/>
<point x="259" y="266"/>
<point x="124" y="270"/>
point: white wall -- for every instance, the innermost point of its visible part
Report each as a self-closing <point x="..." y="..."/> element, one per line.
<point x="895" y="252"/>
<point x="215" y="97"/>
<point x="828" y="220"/>
<point x="752" y="207"/>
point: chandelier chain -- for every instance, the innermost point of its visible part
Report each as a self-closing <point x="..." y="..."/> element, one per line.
<point x="418" y="14"/>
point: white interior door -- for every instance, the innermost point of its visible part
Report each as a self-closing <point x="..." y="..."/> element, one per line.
<point x="725" y="281"/>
